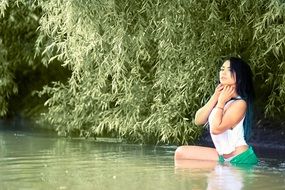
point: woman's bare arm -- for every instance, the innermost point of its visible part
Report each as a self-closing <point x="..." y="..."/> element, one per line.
<point x="201" y="116"/>
<point x="226" y="119"/>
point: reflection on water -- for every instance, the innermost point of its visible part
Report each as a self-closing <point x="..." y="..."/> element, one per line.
<point x="216" y="176"/>
<point x="225" y="177"/>
<point x="35" y="161"/>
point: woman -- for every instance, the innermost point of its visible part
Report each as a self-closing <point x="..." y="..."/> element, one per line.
<point x="228" y="113"/>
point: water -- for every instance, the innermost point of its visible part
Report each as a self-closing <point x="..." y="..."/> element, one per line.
<point x="36" y="161"/>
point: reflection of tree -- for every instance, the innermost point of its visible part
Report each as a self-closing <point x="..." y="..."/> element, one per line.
<point x="16" y="143"/>
<point x="34" y="161"/>
<point x="3" y="149"/>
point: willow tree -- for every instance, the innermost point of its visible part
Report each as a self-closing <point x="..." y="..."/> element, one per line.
<point x="7" y="85"/>
<point x="22" y="67"/>
<point x="135" y="73"/>
<point x="18" y="24"/>
<point x="141" y="68"/>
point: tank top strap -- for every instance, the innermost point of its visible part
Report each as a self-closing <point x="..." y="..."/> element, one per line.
<point x="236" y="98"/>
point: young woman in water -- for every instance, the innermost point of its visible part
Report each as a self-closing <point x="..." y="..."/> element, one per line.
<point x="229" y="115"/>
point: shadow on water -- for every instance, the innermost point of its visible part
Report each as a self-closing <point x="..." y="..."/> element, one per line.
<point x="21" y="125"/>
<point x="30" y="159"/>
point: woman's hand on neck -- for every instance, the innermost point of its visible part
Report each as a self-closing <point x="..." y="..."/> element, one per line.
<point x="228" y="92"/>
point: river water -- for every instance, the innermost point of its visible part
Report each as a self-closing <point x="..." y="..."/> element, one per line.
<point x="35" y="161"/>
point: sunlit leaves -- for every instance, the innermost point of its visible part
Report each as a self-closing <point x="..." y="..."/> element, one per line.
<point x="140" y="69"/>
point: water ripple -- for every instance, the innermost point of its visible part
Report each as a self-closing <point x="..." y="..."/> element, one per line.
<point x="56" y="163"/>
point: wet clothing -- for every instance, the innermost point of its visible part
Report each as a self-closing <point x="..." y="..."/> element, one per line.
<point x="226" y="142"/>
<point x="247" y="157"/>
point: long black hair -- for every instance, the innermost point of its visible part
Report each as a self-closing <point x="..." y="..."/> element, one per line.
<point x="245" y="88"/>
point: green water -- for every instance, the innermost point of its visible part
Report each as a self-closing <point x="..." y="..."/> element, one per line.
<point x="36" y="161"/>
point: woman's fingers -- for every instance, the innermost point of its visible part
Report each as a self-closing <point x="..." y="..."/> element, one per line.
<point x="220" y="87"/>
<point x="227" y="93"/>
<point x="230" y="90"/>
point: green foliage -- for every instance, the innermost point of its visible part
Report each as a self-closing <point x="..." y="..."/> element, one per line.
<point x="7" y="86"/>
<point x="130" y="71"/>
<point x="18" y="23"/>
<point x="21" y="69"/>
<point x="140" y="69"/>
<point x="269" y="55"/>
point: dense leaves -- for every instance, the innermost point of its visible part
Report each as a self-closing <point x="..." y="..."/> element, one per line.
<point x="7" y="85"/>
<point x="132" y="72"/>
<point x="18" y="22"/>
<point x="21" y="68"/>
<point x="141" y="68"/>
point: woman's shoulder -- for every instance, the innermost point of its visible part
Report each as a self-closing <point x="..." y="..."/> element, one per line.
<point x="237" y="99"/>
<point x="238" y="103"/>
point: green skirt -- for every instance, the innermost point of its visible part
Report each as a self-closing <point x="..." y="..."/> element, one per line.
<point x="247" y="157"/>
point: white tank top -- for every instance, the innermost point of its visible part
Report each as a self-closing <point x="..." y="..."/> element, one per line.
<point x="226" y="142"/>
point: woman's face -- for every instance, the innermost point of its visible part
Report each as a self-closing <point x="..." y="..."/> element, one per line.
<point x="226" y="76"/>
